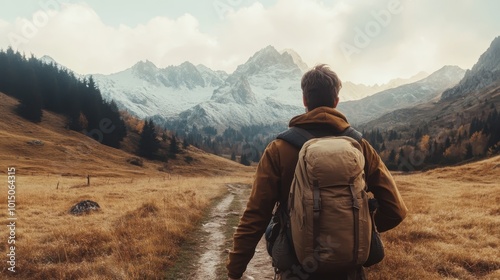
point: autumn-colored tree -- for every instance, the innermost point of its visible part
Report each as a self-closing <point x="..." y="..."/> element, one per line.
<point x="479" y="142"/>
<point x="424" y="144"/>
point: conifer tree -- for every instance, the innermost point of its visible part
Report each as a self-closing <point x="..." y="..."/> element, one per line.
<point x="148" y="144"/>
<point x="468" y="151"/>
<point x="392" y="156"/>
<point x="244" y="160"/>
<point x="30" y="106"/>
<point x="174" y="148"/>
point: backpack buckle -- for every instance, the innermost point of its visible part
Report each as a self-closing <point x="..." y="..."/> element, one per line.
<point x="317" y="204"/>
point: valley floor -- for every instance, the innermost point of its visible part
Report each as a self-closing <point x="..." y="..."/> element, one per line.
<point x="452" y="230"/>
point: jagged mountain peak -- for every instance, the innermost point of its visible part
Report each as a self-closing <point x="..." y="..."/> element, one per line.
<point x="445" y="73"/>
<point x="145" y="70"/>
<point x="489" y="60"/>
<point x="267" y="51"/>
<point x="264" y="59"/>
<point x="485" y="72"/>
<point x="48" y="60"/>
<point x="401" y="81"/>
<point x="144" y="66"/>
<point x="143" y="63"/>
<point x="188" y="66"/>
<point x="297" y="59"/>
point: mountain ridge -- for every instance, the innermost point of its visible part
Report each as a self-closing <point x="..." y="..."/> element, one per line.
<point x="371" y="107"/>
<point x="484" y="72"/>
<point x="265" y="89"/>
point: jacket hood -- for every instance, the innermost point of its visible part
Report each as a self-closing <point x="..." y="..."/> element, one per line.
<point x="322" y="115"/>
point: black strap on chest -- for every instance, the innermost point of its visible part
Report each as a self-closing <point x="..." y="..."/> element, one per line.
<point x="298" y="136"/>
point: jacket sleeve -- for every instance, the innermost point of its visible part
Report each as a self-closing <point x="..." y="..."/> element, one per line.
<point x="258" y="212"/>
<point x="392" y="209"/>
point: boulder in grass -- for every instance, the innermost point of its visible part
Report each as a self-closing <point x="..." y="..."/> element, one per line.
<point x="84" y="207"/>
<point x="35" y="142"/>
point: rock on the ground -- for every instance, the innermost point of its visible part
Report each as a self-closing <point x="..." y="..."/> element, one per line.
<point x="84" y="207"/>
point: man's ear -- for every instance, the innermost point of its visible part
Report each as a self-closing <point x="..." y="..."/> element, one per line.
<point x="304" y="101"/>
<point x="336" y="102"/>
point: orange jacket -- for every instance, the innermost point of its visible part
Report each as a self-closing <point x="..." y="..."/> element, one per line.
<point x="274" y="176"/>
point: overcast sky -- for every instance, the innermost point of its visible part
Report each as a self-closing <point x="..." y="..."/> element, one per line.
<point x="364" y="41"/>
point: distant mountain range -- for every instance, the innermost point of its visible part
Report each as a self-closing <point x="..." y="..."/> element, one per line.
<point x="478" y="90"/>
<point x="264" y="90"/>
<point x="409" y="95"/>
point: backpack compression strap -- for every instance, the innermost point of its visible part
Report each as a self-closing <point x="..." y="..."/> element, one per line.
<point x="298" y="136"/>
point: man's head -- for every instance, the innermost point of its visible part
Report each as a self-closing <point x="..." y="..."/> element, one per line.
<point x="320" y="87"/>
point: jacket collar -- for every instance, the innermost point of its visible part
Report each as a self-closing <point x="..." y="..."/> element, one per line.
<point x="321" y="116"/>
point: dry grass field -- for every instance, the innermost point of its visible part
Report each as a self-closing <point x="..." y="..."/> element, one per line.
<point x="453" y="228"/>
<point x="136" y="235"/>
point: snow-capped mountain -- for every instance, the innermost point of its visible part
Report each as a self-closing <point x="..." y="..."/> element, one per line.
<point x="297" y="59"/>
<point x="146" y="90"/>
<point x="49" y="60"/>
<point x="264" y="90"/>
<point x="374" y="106"/>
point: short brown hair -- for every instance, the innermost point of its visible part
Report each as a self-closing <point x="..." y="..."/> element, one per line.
<point x="320" y="87"/>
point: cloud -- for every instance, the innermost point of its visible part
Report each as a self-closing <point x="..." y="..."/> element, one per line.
<point x="3" y="24"/>
<point x="389" y="38"/>
<point x="78" y="38"/>
<point x="308" y="27"/>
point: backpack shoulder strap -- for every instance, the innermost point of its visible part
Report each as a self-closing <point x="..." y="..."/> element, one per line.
<point x="298" y="136"/>
<point x="353" y="133"/>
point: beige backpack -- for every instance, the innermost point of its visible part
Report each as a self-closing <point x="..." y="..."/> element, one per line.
<point x="329" y="215"/>
<point x="330" y="220"/>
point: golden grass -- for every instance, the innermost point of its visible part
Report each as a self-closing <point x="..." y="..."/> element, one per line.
<point x="136" y="235"/>
<point x="453" y="228"/>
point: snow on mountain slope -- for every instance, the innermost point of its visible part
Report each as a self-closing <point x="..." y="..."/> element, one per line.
<point x="264" y="90"/>
<point x="297" y="59"/>
<point x="146" y="90"/>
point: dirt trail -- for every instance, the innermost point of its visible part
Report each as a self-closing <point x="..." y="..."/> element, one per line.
<point x="213" y="245"/>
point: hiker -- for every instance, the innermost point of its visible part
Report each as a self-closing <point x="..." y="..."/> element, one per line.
<point x="275" y="172"/>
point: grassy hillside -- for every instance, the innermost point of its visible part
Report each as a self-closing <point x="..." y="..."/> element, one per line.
<point x="453" y="227"/>
<point x="66" y="152"/>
